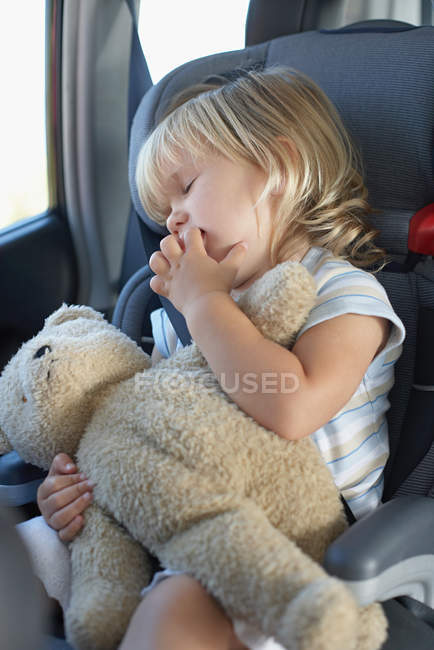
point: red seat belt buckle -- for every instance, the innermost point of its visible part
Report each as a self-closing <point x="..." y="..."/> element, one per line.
<point x="421" y="231"/>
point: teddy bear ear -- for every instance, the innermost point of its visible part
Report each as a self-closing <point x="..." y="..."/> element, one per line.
<point x="72" y="312"/>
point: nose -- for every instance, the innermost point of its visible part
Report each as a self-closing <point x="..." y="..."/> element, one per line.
<point x="176" y="222"/>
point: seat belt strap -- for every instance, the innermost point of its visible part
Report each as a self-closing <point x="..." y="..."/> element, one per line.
<point x="140" y="81"/>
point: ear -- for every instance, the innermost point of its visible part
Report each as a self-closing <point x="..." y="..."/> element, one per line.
<point x="72" y="312"/>
<point x="5" y="445"/>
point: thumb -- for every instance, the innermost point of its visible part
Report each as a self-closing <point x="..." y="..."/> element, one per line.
<point x="234" y="258"/>
<point x="193" y="239"/>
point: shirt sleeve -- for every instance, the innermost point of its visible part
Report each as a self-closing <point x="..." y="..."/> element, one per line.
<point x="165" y="337"/>
<point x="349" y="290"/>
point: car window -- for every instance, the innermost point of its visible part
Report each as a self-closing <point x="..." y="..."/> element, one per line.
<point x="23" y="186"/>
<point x="173" y="33"/>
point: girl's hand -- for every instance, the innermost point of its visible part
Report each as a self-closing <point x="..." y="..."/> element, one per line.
<point x="63" y="496"/>
<point x="184" y="276"/>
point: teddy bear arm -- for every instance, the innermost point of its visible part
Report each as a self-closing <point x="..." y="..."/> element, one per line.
<point x="261" y="576"/>
<point x="108" y="571"/>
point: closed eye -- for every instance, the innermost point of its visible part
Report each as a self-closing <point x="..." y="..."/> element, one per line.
<point x="188" y="187"/>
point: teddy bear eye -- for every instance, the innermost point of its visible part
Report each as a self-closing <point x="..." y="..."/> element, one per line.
<point x="40" y="353"/>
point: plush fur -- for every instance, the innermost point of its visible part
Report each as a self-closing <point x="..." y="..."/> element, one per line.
<point x="182" y="472"/>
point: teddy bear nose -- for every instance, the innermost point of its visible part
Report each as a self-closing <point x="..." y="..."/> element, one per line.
<point x="42" y="351"/>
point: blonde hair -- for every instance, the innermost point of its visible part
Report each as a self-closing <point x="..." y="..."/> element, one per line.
<point x="280" y="120"/>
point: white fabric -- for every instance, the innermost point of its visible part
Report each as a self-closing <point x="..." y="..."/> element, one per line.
<point x="50" y="558"/>
<point x="165" y="338"/>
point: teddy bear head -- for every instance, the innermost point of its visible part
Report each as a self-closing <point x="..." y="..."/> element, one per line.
<point x="49" y="389"/>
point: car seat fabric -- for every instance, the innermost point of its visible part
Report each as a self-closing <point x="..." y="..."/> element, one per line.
<point x="378" y="74"/>
<point x="267" y="19"/>
<point x="411" y="420"/>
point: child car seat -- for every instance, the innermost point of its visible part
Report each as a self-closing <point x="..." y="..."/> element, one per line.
<point x="379" y="75"/>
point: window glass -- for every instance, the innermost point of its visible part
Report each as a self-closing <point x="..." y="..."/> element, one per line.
<point x="23" y="161"/>
<point x="173" y="32"/>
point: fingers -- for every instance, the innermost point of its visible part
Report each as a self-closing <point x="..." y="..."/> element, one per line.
<point x="62" y="464"/>
<point x="171" y="248"/>
<point x="55" y="482"/>
<point x="63" y="518"/>
<point x="70" y="531"/>
<point x="63" y="495"/>
<point x="235" y="257"/>
<point x="161" y="261"/>
<point x="158" y="263"/>
<point x="193" y="239"/>
<point x="158" y="285"/>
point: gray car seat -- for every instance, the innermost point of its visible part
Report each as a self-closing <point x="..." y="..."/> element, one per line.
<point x="380" y="76"/>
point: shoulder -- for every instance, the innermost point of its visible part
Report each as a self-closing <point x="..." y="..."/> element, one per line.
<point x="343" y="289"/>
<point x="332" y="274"/>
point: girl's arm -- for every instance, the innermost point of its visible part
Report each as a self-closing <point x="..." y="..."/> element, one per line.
<point x="291" y="393"/>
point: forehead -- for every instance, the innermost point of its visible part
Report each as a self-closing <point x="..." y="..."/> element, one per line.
<point x="177" y="164"/>
<point x="182" y="163"/>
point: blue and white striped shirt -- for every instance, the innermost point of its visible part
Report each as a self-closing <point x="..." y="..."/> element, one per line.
<point x="354" y="444"/>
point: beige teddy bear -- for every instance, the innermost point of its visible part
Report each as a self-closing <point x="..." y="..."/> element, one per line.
<point x="182" y="472"/>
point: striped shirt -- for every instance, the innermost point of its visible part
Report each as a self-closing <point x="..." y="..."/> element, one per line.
<point x="354" y="444"/>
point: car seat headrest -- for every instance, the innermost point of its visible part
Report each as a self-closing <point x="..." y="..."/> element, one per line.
<point x="380" y="79"/>
<point x="267" y="19"/>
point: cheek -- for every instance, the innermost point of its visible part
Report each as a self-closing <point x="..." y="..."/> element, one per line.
<point x="217" y="245"/>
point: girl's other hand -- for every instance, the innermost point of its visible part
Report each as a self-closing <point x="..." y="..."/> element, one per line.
<point x="63" y="496"/>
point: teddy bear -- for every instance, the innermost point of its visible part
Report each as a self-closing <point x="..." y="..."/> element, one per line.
<point x="182" y="473"/>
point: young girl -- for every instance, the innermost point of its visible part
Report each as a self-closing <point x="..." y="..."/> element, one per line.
<point x="245" y="175"/>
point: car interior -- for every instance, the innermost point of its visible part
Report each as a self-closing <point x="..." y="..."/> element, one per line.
<point x="92" y="245"/>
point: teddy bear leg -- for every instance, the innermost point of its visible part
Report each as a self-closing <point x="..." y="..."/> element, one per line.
<point x="372" y="627"/>
<point x="109" y="570"/>
<point x="261" y="576"/>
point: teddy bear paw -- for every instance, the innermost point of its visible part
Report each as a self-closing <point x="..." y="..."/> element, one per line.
<point x="372" y="627"/>
<point x="97" y="620"/>
<point x="323" y="616"/>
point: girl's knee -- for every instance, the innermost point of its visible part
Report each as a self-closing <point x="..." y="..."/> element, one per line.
<point x="179" y="614"/>
<point x="183" y="596"/>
